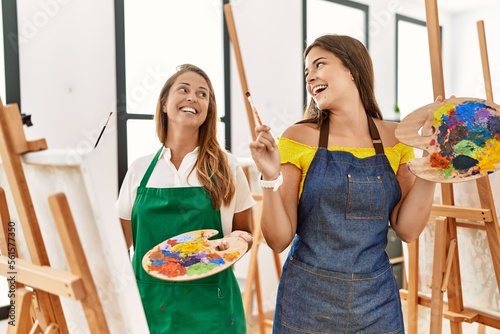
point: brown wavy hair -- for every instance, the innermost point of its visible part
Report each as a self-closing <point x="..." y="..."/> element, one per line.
<point x="355" y="57"/>
<point x="212" y="165"/>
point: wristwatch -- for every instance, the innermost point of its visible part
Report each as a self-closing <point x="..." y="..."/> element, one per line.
<point x="274" y="184"/>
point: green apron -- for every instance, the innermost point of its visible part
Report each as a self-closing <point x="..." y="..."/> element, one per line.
<point x="209" y="305"/>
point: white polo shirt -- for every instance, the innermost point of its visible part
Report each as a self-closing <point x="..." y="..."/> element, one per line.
<point x="165" y="175"/>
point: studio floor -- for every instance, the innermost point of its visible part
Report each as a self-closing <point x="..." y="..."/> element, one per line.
<point x="254" y="327"/>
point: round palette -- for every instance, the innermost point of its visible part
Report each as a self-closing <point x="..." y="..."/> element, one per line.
<point x="191" y="256"/>
<point x="465" y="144"/>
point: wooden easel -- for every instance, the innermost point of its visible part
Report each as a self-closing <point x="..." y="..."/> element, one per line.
<point x="446" y="267"/>
<point x="39" y="310"/>
<point x="253" y="268"/>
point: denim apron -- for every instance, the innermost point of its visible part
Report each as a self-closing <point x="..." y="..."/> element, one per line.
<point x="209" y="305"/>
<point x="337" y="277"/>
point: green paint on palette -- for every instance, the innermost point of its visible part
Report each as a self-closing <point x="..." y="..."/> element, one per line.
<point x="200" y="268"/>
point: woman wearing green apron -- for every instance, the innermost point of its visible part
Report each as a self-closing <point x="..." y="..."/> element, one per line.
<point x="189" y="184"/>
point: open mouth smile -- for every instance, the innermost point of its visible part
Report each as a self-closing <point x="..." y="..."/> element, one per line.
<point x="318" y="89"/>
<point x="189" y="110"/>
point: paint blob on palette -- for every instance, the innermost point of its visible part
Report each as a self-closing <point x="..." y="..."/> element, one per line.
<point x="191" y="256"/>
<point x="465" y="144"/>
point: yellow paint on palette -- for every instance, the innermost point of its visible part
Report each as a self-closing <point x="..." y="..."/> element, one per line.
<point x="465" y="144"/>
<point x="191" y="256"/>
<point x="490" y="155"/>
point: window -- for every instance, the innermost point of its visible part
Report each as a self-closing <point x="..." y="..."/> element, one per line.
<point x="335" y="17"/>
<point x="413" y="70"/>
<point x="152" y="39"/>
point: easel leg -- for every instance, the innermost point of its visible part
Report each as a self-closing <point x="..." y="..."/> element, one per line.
<point x="412" y="300"/>
<point x="23" y="325"/>
<point x="27" y="298"/>
<point x="260" y="307"/>
<point x="74" y="254"/>
<point x="454" y="288"/>
<point x="252" y="271"/>
<point x="254" y="278"/>
<point x="437" y="275"/>
<point x="454" y="284"/>
<point x="492" y="228"/>
<point x="481" y="329"/>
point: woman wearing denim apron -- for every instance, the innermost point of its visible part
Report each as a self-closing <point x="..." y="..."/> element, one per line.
<point x="176" y="191"/>
<point x="342" y="178"/>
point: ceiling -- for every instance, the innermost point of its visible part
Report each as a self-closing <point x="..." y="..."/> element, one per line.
<point x="457" y="6"/>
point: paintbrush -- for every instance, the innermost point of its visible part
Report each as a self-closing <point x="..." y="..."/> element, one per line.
<point x="253" y="108"/>
<point x="102" y="131"/>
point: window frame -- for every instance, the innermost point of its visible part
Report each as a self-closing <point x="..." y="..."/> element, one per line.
<point x="11" y="53"/>
<point x="355" y="5"/>
<point x="121" y="97"/>
<point x="410" y="20"/>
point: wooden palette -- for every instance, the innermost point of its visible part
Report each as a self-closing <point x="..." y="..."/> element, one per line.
<point x="465" y="144"/>
<point x="191" y="256"/>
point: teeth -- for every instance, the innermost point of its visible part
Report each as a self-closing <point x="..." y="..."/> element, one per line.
<point x="189" y="110"/>
<point x="317" y="88"/>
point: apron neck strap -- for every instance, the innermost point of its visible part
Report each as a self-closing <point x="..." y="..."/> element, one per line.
<point x="323" y="133"/>
<point x="377" y="142"/>
<point x="152" y="165"/>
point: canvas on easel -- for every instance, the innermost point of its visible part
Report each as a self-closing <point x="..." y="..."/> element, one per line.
<point x="74" y="189"/>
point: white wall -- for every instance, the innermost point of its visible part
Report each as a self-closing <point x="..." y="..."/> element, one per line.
<point x="468" y="73"/>
<point x="67" y="59"/>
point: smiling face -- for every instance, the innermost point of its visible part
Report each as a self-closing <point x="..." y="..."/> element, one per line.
<point x="188" y="100"/>
<point x="328" y="81"/>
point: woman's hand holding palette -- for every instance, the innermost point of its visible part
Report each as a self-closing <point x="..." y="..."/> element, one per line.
<point x="465" y="144"/>
<point x="191" y="256"/>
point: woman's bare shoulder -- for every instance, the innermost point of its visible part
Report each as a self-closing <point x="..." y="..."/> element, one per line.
<point x="304" y="133"/>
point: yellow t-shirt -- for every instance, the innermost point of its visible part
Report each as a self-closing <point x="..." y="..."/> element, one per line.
<point x="301" y="155"/>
